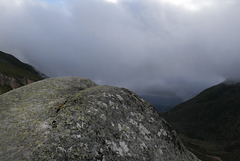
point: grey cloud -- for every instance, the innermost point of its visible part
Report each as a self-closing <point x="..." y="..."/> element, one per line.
<point x="151" y="48"/>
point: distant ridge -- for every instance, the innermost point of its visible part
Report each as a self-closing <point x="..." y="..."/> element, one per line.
<point x="210" y="123"/>
<point x="14" y="73"/>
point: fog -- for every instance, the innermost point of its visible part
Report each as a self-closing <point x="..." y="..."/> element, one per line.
<point x="153" y="47"/>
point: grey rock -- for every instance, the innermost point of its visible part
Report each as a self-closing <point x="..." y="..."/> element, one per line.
<point x="75" y="119"/>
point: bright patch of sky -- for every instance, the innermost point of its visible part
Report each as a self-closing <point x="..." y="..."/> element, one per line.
<point x="112" y="1"/>
<point x="190" y="5"/>
<point x="52" y="1"/>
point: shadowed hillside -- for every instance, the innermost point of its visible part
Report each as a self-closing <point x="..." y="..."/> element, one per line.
<point x="14" y="73"/>
<point x="210" y="122"/>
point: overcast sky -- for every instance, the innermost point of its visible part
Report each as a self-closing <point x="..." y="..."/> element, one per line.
<point x="153" y="47"/>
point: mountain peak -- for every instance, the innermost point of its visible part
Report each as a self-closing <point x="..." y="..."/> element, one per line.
<point x="231" y="82"/>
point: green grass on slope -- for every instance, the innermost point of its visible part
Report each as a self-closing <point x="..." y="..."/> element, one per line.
<point x="13" y="71"/>
<point x="10" y="59"/>
<point x="4" y="89"/>
<point x="204" y="150"/>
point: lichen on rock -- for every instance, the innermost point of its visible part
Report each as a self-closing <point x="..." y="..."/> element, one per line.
<point x="75" y="119"/>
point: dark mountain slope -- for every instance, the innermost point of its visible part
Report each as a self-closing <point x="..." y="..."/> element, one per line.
<point x="213" y="117"/>
<point x="10" y="59"/>
<point x="14" y="73"/>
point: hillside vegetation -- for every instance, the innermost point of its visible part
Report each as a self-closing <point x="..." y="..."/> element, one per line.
<point x="210" y="122"/>
<point x="14" y="73"/>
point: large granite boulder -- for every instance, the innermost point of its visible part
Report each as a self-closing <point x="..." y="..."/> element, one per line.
<point x="75" y="119"/>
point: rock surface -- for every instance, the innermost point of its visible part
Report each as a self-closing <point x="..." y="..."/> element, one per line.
<point x="75" y="119"/>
